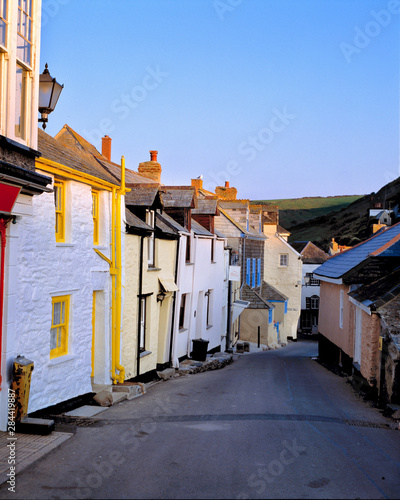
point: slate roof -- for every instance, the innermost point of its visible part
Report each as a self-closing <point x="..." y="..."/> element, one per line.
<point x="133" y="221"/>
<point x="206" y="206"/>
<point x="386" y="243"/>
<point x="171" y="222"/>
<point x="311" y="253"/>
<point x="178" y="196"/>
<point x="232" y="204"/>
<point x="380" y="292"/>
<point x="163" y="226"/>
<point x="75" y="142"/>
<point x="199" y="229"/>
<point x="218" y="234"/>
<point x="78" y="159"/>
<point x="145" y="195"/>
<point x="268" y="292"/>
<point x="256" y="301"/>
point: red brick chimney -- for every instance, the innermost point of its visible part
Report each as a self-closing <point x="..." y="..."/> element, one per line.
<point x="197" y="184"/>
<point x="226" y="192"/>
<point x="106" y="147"/>
<point x="151" y="169"/>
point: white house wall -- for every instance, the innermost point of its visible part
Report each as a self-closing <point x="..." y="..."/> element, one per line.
<point x="46" y="269"/>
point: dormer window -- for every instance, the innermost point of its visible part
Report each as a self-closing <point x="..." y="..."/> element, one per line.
<point x="150" y="218"/>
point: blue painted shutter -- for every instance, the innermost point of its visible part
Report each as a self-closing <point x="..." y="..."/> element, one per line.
<point x="285" y="306"/>
<point x="258" y="272"/>
<point x="253" y="281"/>
<point x="248" y="271"/>
<point x="270" y="316"/>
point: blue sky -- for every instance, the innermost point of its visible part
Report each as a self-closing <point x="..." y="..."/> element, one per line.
<point x="283" y="98"/>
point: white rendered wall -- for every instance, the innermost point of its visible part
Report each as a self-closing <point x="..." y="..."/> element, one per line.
<point x="46" y="269"/>
<point x="309" y="290"/>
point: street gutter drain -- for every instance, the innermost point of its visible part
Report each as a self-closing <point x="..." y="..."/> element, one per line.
<point x="365" y="423"/>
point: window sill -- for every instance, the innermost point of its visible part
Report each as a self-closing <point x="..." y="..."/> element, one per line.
<point x="182" y="330"/>
<point x="189" y="263"/>
<point x="208" y="327"/>
<point x="144" y="353"/>
<point x="61" y="359"/>
<point x="65" y="244"/>
<point x="153" y="269"/>
<point x="100" y="247"/>
<point x="214" y="262"/>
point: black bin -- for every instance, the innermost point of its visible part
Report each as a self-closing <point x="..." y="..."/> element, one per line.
<point x="200" y="347"/>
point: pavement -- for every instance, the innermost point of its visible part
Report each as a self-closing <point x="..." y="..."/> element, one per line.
<point x="29" y="448"/>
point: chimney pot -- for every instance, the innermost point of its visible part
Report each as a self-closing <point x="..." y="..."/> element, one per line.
<point x="153" y="155"/>
<point x="226" y="184"/>
<point x="106" y="147"/>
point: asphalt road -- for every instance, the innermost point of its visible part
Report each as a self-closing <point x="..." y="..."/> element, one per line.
<point x="274" y="424"/>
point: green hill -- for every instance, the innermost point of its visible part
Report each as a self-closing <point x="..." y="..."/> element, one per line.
<point x="345" y="218"/>
<point x="295" y="211"/>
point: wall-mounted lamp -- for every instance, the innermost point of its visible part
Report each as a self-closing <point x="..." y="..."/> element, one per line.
<point x="161" y="296"/>
<point x="49" y="92"/>
<point x="207" y="294"/>
<point x="306" y="280"/>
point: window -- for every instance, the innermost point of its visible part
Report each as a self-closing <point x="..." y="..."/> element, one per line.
<point x="258" y="272"/>
<point x="248" y="271"/>
<point x="188" y="242"/>
<point x="208" y="296"/>
<point x="20" y="102"/>
<point x="59" y="202"/>
<point x="212" y="249"/>
<point x="286" y="302"/>
<point x="283" y="260"/>
<point x="24" y="31"/>
<point x="95" y="214"/>
<point x="182" y="311"/>
<point x="270" y="316"/>
<point x="341" y="309"/>
<point x="142" y="333"/>
<point x="151" y="239"/>
<point x="315" y="302"/>
<point x="3" y="23"/>
<point x="59" y="326"/>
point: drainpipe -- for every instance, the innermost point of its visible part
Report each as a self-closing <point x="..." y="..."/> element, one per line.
<point x="174" y="303"/>
<point x="140" y="305"/>
<point x="116" y="279"/>
<point x="3" y="227"/>
<point x="228" y="329"/>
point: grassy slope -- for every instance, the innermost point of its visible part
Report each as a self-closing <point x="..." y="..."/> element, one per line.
<point x="344" y="218"/>
<point x="293" y="212"/>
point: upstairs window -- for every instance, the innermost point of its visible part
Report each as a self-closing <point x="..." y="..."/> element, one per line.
<point x="21" y="85"/>
<point x="283" y="260"/>
<point x="188" y="251"/>
<point x="59" y="202"/>
<point x="95" y="215"/>
<point x="59" y="326"/>
<point x="151" y="239"/>
<point x="208" y="296"/>
<point x="341" y="305"/>
<point x="3" y="23"/>
<point x="24" y="31"/>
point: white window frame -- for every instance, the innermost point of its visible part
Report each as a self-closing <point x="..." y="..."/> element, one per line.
<point x="283" y="260"/>
<point x="150" y="220"/>
<point x="341" y="311"/>
<point x="143" y="324"/>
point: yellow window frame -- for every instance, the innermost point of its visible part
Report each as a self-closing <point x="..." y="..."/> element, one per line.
<point x="59" y="201"/>
<point x="59" y="326"/>
<point x="95" y="214"/>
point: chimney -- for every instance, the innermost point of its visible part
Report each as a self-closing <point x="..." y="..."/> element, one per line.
<point x="151" y="169"/>
<point x="197" y="184"/>
<point x="226" y="192"/>
<point x="106" y="147"/>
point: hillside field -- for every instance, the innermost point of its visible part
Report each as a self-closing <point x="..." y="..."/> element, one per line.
<point x="295" y="211"/>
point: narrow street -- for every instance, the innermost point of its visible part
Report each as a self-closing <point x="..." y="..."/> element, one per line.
<point x="274" y="424"/>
